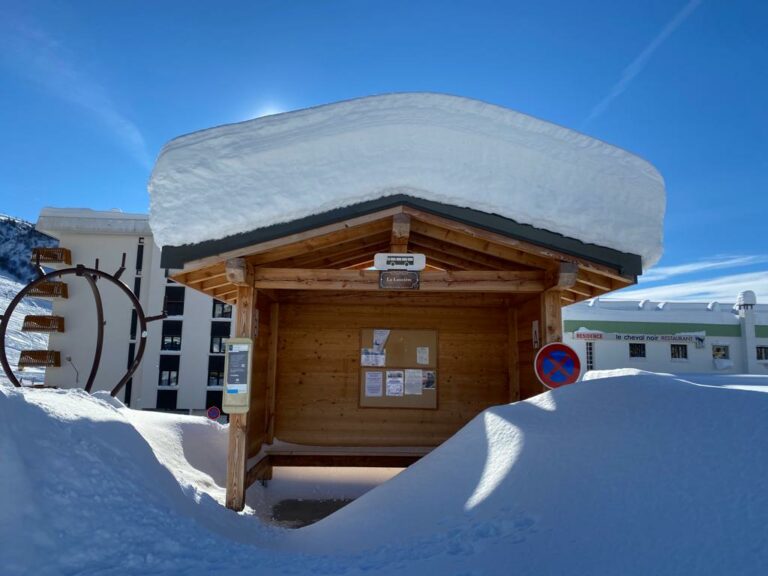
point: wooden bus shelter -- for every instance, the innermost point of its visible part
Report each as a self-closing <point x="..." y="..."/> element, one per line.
<point x="307" y="295"/>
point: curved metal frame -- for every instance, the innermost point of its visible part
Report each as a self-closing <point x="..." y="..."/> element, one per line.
<point x="91" y="275"/>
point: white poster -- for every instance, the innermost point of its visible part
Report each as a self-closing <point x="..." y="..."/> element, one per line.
<point x="374" y="383"/>
<point x="380" y="339"/>
<point x="372" y="357"/>
<point x="413" y="382"/>
<point x="395" y="382"/>
<point x="422" y="355"/>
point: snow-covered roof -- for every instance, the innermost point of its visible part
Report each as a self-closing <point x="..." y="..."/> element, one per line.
<point x="87" y="221"/>
<point x="241" y="177"/>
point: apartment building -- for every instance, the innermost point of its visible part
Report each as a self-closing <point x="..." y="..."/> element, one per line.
<point x="183" y="364"/>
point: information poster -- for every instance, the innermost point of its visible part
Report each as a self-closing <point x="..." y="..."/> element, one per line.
<point x="237" y="370"/>
<point x="413" y="382"/>
<point x="395" y="382"/>
<point x="380" y="339"/>
<point x="422" y="355"/>
<point x="373" y="357"/>
<point x="374" y="384"/>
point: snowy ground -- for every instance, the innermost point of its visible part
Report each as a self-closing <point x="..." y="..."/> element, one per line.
<point x="629" y="473"/>
<point x="16" y="340"/>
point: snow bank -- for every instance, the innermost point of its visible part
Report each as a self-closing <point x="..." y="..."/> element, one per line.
<point x="241" y="177"/>
<point x="633" y="474"/>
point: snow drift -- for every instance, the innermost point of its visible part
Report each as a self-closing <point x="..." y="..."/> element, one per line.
<point x="241" y="177"/>
<point x="635" y="474"/>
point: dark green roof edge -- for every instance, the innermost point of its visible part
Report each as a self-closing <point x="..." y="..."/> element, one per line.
<point x="624" y="263"/>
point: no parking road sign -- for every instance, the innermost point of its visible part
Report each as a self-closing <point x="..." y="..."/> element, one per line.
<point x="557" y="365"/>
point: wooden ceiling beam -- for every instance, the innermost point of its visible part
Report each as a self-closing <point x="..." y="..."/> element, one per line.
<point x="287" y="246"/>
<point x="452" y="262"/>
<point x="466" y="254"/>
<point x="324" y="257"/>
<point x="431" y="281"/>
<point x="466" y="241"/>
<point x="519" y="245"/>
<point x="401" y="230"/>
<point x="192" y="277"/>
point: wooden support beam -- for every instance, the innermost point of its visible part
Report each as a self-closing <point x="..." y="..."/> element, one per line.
<point x="431" y="281"/>
<point x="237" y="271"/>
<point x="274" y="311"/>
<point x="238" y="423"/>
<point x="513" y="356"/>
<point x="401" y="230"/>
<point x="260" y="471"/>
<point x="551" y="317"/>
<point x="565" y="277"/>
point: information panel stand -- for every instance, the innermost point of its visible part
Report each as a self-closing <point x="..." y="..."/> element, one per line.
<point x="237" y="375"/>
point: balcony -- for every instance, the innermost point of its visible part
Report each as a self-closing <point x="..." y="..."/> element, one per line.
<point x="50" y="289"/>
<point x="43" y="324"/>
<point x="39" y="359"/>
<point x="51" y="256"/>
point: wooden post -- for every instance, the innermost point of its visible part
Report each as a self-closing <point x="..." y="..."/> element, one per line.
<point x="238" y="423"/>
<point x="274" y="312"/>
<point x="401" y="231"/>
<point x="551" y="317"/>
<point x="513" y="358"/>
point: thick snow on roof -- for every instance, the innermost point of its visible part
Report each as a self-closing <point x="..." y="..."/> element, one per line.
<point x="633" y="474"/>
<point x="241" y="177"/>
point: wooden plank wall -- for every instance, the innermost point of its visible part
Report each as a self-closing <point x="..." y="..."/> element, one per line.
<point x="319" y="369"/>
<point x="527" y="312"/>
<point x="257" y="412"/>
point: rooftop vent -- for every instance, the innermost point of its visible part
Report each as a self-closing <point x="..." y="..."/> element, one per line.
<point x="746" y="300"/>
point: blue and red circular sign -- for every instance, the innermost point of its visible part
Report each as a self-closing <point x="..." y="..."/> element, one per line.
<point x="214" y="413"/>
<point x="557" y="365"/>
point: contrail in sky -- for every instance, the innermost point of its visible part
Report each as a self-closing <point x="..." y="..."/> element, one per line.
<point x="43" y="59"/>
<point x="636" y="66"/>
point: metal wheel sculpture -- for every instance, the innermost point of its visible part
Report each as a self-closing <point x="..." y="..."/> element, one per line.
<point x="90" y="275"/>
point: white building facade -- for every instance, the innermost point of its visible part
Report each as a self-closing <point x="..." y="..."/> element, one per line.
<point x="183" y="364"/>
<point x="672" y="337"/>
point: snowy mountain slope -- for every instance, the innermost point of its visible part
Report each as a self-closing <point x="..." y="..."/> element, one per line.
<point x="15" y="339"/>
<point x="634" y="475"/>
<point x="17" y="238"/>
<point x="436" y="147"/>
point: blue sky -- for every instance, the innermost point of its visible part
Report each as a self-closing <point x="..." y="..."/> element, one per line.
<point x="90" y="91"/>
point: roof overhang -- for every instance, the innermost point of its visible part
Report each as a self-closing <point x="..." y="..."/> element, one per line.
<point x="624" y="264"/>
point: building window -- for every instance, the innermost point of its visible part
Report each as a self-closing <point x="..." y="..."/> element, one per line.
<point x="720" y="352"/>
<point x="134" y="321"/>
<point x="216" y="371"/>
<point x="679" y="351"/>
<point x="169" y="371"/>
<point x="762" y="352"/>
<point x="171" y="335"/>
<point x="137" y="286"/>
<point x="590" y="355"/>
<point x="140" y="257"/>
<point x="219" y="331"/>
<point x="636" y="350"/>
<point x="174" y="300"/>
<point x="221" y="309"/>
<point x="166" y="400"/>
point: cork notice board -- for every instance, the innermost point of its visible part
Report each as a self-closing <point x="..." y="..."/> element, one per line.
<point x="398" y="368"/>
